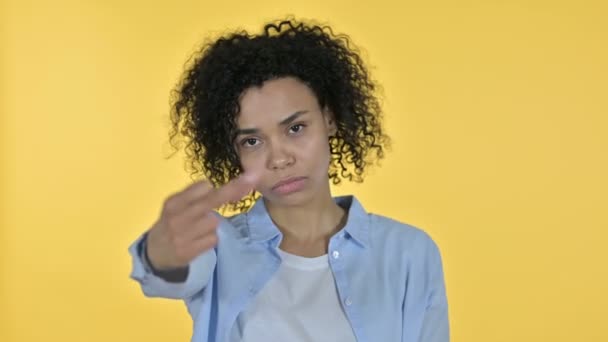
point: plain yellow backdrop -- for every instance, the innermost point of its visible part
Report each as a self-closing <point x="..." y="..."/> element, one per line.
<point x="497" y="110"/>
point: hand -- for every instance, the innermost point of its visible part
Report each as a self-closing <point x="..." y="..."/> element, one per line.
<point x="187" y="224"/>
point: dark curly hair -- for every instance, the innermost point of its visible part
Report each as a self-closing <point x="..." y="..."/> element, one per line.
<point x="205" y="102"/>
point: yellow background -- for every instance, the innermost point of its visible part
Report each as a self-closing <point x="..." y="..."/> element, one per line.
<point x="497" y="109"/>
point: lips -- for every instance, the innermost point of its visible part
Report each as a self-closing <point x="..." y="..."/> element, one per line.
<point x="289" y="185"/>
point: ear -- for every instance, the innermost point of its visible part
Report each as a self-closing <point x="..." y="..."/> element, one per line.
<point x="330" y="122"/>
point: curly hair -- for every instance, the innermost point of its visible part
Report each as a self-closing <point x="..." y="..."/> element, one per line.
<point x="205" y="102"/>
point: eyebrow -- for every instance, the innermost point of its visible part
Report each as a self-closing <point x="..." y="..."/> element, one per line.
<point x="283" y="122"/>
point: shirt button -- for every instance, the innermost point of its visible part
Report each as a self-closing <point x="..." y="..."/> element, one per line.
<point x="336" y="254"/>
<point x="348" y="301"/>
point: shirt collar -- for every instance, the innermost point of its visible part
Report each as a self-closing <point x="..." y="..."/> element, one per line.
<point x="262" y="228"/>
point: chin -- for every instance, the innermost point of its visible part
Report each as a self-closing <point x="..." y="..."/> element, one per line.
<point x="288" y="200"/>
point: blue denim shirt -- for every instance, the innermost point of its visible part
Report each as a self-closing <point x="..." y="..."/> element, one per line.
<point x="388" y="274"/>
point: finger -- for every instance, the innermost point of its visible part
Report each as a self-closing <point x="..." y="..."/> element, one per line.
<point x="196" y="211"/>
<point x="196" y="191"/>
<point x="232" y="191"/>
<point x="175" y="203"/>
<point x="200" y="246"/>
<point x="197" y="228"/>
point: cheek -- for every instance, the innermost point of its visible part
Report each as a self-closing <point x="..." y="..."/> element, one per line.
<point x="252" y="163"/>
<point x="316" y="153"/>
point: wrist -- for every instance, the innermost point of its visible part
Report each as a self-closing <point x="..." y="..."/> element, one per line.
<point x="173" y="275"/>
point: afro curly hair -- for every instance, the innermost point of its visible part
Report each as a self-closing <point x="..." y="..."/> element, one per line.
<point x="205" y="102"/>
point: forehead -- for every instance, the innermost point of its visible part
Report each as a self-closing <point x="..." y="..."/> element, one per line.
<point x="274" y="100"/>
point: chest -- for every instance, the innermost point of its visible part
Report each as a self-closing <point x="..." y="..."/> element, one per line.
<point x="368" y="293"/>
<point x="296" y="304"/>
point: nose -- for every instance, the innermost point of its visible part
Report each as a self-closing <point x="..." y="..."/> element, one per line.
<point x="279" y="157"/>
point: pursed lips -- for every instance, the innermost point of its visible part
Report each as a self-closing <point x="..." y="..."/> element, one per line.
<point x="287" y="181"/>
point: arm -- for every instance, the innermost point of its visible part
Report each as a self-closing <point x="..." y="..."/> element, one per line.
<point x="435" y="323"/>
<point x="182" y="241"/>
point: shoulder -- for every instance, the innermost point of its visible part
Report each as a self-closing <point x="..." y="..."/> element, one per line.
<point x="392" y="235"/>
<point x="385" y="225"/>
<point x="384" y="233"/>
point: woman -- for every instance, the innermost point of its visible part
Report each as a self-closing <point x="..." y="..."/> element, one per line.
<point x="270" y="120"/>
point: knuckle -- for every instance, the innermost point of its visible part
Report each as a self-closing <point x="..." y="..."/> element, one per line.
<point x="213" y="238"/>
<point x="170" y="204"/>
<point x="172" y="224"/>
<point x="210" y="241"/>
<point x="211" y="217"/>
<point x="212" y="222"/>
<point x="202" y="207"/>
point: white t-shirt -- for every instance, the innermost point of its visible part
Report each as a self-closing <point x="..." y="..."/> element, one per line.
<point x="298" y="304"/>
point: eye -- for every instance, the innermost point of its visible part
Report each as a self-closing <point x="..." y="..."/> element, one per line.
<point x="249" y="142"/>
<point x="296" y="128"/>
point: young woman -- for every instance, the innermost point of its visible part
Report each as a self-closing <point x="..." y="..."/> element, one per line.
<point x="270" y="120"/>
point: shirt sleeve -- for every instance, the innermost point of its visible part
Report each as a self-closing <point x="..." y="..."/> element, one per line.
<point x="435" y="323"/>
<point x="200" y="271"/>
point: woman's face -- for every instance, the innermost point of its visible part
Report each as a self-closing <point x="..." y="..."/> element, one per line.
<point x="282" y="136"/>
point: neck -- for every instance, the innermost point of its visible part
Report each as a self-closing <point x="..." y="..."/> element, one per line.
<point x="307" y="228"/>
